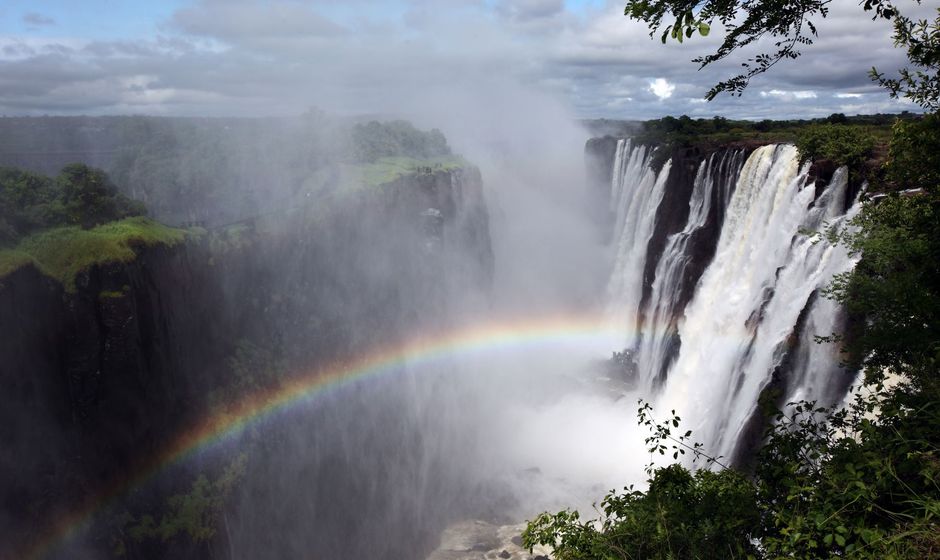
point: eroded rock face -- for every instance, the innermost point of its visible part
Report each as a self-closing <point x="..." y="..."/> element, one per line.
<point x="478" y="540"/>
<point x="95" y="379"/>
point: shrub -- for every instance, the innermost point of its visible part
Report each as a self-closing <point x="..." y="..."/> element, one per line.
<point x="838" y="143"/>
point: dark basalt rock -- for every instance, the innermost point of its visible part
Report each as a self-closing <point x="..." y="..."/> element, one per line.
<point x="96" y="380"/>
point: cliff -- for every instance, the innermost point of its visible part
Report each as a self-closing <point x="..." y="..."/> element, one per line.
<point x="101" y="368"/>
<point x="673" y="211"/>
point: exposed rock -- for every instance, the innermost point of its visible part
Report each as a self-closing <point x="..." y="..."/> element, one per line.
<point x="478" y="540"/>
<point x="107" y="374"/>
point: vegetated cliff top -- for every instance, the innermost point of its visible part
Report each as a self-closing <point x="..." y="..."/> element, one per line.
<point x="62" y="253"/>
<point x="721" y="132"/>
<point x="833" y="140"/>
<point x="388" y="169"/>
<point x="221" y="170"/>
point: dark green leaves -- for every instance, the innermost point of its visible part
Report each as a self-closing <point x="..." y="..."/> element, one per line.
<point x="789" y="25"/>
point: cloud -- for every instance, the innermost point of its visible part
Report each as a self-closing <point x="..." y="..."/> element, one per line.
<point x="246" y="57"/>
<point x="661" y="88"/>
<point x="37" y="20"/>
<point x="523" y="10"/>
<point x="244" y="19"/>
<point x="789" y="95"/>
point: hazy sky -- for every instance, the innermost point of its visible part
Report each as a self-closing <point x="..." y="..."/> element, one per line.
<point x="256" y="57"/>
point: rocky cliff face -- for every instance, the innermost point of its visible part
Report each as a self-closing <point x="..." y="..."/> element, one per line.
<point x="673" y="212"/>
<point x="96" y="379"/>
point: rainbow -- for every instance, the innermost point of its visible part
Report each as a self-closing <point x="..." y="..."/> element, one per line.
<point x="475" y="339"/>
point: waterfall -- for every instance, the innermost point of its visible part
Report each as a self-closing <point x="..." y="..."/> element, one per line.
<point x="749" y="321"/>
<point x="636" y="191"/>
<point x="659" y="341"/>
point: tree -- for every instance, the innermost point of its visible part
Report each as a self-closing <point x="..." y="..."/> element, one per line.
<point x="90" y="198"/>
<point x="789" y="23"/>
<point x="861" y="482"/>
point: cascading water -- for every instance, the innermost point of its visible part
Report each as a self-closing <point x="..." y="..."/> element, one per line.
<point x="754" y="311"/>
<point x="636" y="192"/>
<point x="659" y="340"/>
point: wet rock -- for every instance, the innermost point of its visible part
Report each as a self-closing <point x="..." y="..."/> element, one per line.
<point x="479" y="540"/>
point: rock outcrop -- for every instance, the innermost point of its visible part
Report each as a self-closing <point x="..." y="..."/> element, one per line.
<point x="479" y="540"/>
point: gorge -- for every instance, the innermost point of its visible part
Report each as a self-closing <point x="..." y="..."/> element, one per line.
<point x="412" y="352"/>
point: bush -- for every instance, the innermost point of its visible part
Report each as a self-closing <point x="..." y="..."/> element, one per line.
<point x="838" y="143"/>
<point x="683" y="515"/>
<point x="375" y="140"/>
<point x="914" y="154"/>
<point x="80" y="195"/>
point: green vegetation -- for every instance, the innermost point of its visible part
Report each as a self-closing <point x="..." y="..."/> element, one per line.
<point x="64" y="252"/>
<point x="682" y="515"/>
<point x="80" y="196"/>
<point x="861" y="482"/>
<point x="195" y="514"/>
<point x="836" y="143"/>
<point x="914" y="154"/>
<point x="66" y="224"/>
<point x="252" y="367"/>
<point x="213" y="171"/>
<point x="374" y="140"/>
<point x="12" y="260"/>
<point x="720" y="132"/>
<point x="388" y="169"/>
<point x="701" y="515"/>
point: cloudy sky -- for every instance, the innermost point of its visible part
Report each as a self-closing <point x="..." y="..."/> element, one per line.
<point x="277" y="57"/>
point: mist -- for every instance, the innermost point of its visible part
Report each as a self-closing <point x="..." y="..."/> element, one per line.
<point x="392" y="290"/>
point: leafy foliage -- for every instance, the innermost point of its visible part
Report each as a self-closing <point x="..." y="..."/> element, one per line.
<point x="921" y="40"/>
<point x="681" y="515"/>
<point x="896" y="286"/>
<point x="838" y="143"/>
<point x="80" y="195"/>
<point x="374" y="140"/>
<point x="789" y="24"/>
<point x="862" y="481"/>
<point x="914" y="154"/>
<point x="859" y="482"/>
<point x="702" y="515"/>
<point x="195" y="513"/>
<point x="708" y="134"/>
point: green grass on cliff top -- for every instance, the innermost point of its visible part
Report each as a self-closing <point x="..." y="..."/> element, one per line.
<point x="62" y="253"/>
<point x="388" y="169"/>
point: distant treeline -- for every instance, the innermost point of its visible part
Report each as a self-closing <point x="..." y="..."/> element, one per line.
<point x="211" y="170"/>
<point x="710" y="133"/>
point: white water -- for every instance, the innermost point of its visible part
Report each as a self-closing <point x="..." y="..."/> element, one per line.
<point x="661" y="317"/>
<point x="636" y="192"/>
<point x="742" y="319"/>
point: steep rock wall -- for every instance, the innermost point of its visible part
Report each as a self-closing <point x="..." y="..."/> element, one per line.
<point x="97" y="379"/>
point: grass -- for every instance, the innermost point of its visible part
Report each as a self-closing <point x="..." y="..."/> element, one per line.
<point x="388" y="169"/>
<point x="62" y="253"/>
<point x="12" y="260"/>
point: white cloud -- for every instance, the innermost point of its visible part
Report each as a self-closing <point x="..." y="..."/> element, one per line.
<point x="661" y="88"/>
<point x="789" y="95"/>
